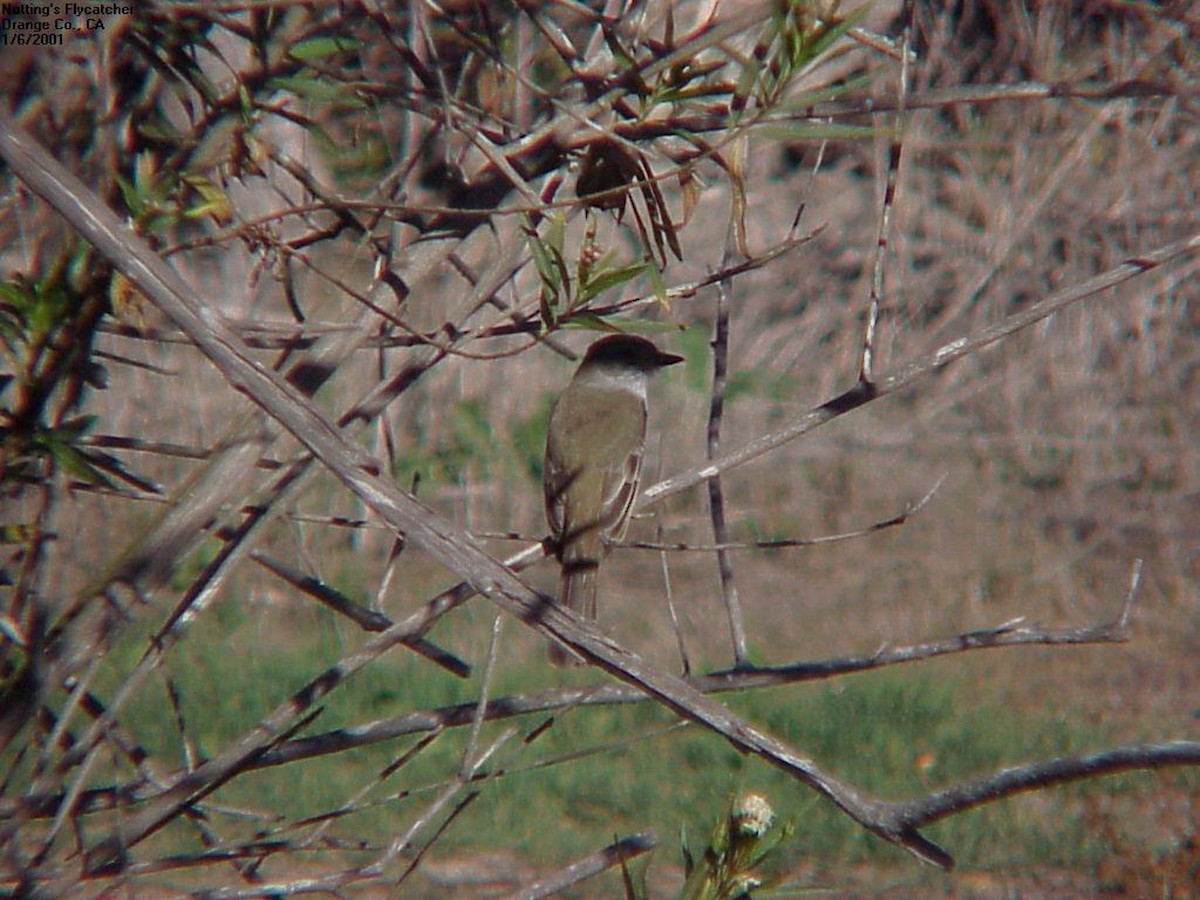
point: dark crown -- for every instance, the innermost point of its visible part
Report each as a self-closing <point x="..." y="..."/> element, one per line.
<point x="626" y="349"/>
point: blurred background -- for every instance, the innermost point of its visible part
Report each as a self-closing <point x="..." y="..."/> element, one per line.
<point x="279" y="157"/>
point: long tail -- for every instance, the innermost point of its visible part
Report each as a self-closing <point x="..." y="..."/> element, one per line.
<point x="577" y="592"/>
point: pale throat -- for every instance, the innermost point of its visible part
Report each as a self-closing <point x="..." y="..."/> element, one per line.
<point x="619" y="378"/>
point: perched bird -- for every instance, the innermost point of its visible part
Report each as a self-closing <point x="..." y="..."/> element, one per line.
<point x="593" y="461"/>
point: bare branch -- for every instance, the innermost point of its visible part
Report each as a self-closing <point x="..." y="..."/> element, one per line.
<point x="786" y="543"/>
<point x="967" y="795"/>
<point x="615" y="854"/>
<point x="1020" y="92"/>
<point x="862" y="394"/>
<point x="866" y="369"/>
<point x="716" y="496"/>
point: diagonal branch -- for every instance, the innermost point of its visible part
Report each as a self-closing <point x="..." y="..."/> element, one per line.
<point x="863" y="393"/>
<point x="421" y="525"/>
<point x="617" y="853"/>
<point x="969" y="794"/>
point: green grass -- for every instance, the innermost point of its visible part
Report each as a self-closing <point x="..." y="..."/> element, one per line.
<point x="897" y="733"/>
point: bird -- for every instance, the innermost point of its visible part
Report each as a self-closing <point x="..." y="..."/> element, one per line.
<point x="593" y="464"/>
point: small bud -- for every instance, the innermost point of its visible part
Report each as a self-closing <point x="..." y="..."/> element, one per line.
<point x="751" y="815"/>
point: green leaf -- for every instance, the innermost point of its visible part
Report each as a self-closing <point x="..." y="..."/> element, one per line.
<point x="317" y="90"/>
<point x="548" y="261"/>
<point x="70" y="458"/>
<point x="588" y="322"/>
<point x="610" y="278"/>
<point x="831" y="35"/>
<point x="49" y="307"/>
<point x="214" y="201"/>
<point x="641" y="326"/>
<point x="129" y="194"/>
<point x="657" y="285"/>
<point x="556" y="231"/>
<point x="322" y="47"/>
<point x="545" y="309"/>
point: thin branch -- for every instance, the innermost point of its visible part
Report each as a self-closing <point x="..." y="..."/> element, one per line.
<point x="471" y="760"/>
<point x="1024" y="91"/>
<point x="895" y="145"/>
<point x="861" y="394"/>
<point x="787" y="543"/>
<point x="614" y="854"/>
<point x="716" y="497"/>
<point x="1063" y="770"/>
<point x="367" y="619"/>
<point x="685" y="661"/>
